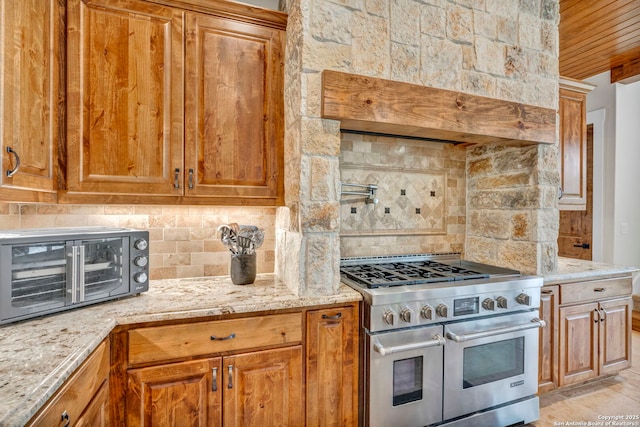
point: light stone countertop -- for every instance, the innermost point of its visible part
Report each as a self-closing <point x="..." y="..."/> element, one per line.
<point x="37" y="356"/>
<point x="570" y="269"/>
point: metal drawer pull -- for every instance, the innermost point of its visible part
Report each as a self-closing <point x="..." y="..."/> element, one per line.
<point x="12" y="172"/>
<point x="336" y="317"/>
<point x="547" y="292"/>
<point x="214" y="381"/>
<point x="599" y="289"/>
<point x="65" y="417"/>
<point x="535" y="323"/>
<point x="230" y="385"/>
<point x="230" y="337"/>
<point x="438" y="340"/>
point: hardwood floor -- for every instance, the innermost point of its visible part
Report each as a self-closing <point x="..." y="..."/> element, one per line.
<point x="618" y="395"/>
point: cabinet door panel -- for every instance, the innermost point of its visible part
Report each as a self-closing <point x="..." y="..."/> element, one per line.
<point x="578" y="343"/>
<point x="548" y="361"/>
<point x="332" y="367"/>
<point x="178" y="394"/>
<point x="615" y="338"/>
<point x="125" y="104"/>
<point x="264" y="389"/>
<point x="97" y="413"/>
<point x="29" y="95"/>
<point x="233" y="113"/>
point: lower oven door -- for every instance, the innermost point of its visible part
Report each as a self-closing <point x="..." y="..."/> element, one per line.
<point x="489" y="362"/>
<point x="404" y="377"/>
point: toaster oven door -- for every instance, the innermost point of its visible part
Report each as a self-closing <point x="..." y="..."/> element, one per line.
<point x="102" y="271"/>
<point x="33" y="278"/>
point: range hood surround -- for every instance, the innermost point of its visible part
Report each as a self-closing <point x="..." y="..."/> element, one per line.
<point x="496" y="50"/>
<point x="369" y="104"/>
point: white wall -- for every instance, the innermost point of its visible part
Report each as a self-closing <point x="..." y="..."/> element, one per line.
<point x="618" y="167"/>
<point x="267" y="4"/>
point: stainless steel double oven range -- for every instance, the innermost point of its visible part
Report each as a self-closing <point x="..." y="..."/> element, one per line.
<point x="447" y="341"/>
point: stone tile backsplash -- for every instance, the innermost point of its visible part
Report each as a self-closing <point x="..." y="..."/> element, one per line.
<point x="183" y="239"/>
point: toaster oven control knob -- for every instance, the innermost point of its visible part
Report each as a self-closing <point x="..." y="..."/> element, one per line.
<point x="140" y="244"/>
<point x="140" y="277"/>
<point x="502" y="302"/>
<point x="523" y="299"/>
<point x="405" y="314"/>
<point x="489" y="304"/>
<point x="426" y="312"/>
<point x="442" y="310"/>
<point x="141" y="261"/>
<point x="389" y="317"/>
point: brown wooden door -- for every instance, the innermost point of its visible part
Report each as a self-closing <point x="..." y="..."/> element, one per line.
<point x="548" y="360"/>
<point x="615" y="335"/>
<point x="125" y="98"/>
<point x="176" y="394"/>
<point x="264" y="389"/>
<point x="233" y="110"/>
<point x="96" y="414"/>
<point x="579" y="336"/>
<point x="332" y="367"/>
<point x="575" y="233"/>
<point x="30" y="33"/>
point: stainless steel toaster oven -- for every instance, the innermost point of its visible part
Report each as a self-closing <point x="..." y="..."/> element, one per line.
<point x="44" y="271"/>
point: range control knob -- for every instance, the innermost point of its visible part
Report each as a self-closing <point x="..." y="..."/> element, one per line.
<point x="502" y="302"/>
<point x="141" y="261"/>
<point x="389" y="317"/>
<point x="523" y="299"/>
<point x="141" y="244"/>
<point x="426" y="312"/>
<point x="140" y="277"/>
<point x="442" y="310"/>
<point x="405" y="314"/>
<point x="489" y="304"/>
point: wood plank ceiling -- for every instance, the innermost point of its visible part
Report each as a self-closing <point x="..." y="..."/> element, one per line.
<point x="600" y="35"/>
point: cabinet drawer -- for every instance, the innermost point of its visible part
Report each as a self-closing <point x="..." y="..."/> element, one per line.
<point x="594" y="290"/>
<point x="76" y="394"/>
<point x="162" y="343"/>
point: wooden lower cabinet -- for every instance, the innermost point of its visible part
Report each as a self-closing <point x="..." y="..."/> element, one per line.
<point x="548" y="360"/>
<point x="594" y="339"/>
<point x="332" y="367"/>
<point x="83" y="400"/>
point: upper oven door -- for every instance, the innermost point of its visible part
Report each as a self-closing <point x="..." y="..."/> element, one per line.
<point x="404" y="377"/>
<point x="489" y="362"/>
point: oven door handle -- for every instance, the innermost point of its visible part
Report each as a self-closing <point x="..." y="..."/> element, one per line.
<point x="437" y="340"/>
<point x="535" y="323"/>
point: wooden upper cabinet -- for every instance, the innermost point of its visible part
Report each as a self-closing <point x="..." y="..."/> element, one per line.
<point x="125" y="108"/>
<point x="30" y="33"/>
<point x="573" y="144"/>
<point x="233" y="109"/>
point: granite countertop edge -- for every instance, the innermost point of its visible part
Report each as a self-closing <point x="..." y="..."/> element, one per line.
<point x="570" y="269"/>
<point x="37" y="356"/>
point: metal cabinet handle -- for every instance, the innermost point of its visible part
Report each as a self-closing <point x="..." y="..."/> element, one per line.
<point x="176" y="178"/>
<point x="230" y="384"/>
<point x="12" y="172"/>
<point x="535" y="323"/>
<point x="228" y="337"/>
<point x="547" y="291"/>
<point x="603" y="315"/>
<point x="336" y="317"/>
<point x="599" y="289"/>
<point x="437" y="340"/>
<point x="65" y="418"/>
<point x="190" y="179"/>
<point x="596" y="316"/>
<point x="214" y="380"/>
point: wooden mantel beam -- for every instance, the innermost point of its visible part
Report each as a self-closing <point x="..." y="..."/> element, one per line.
<point x="369" y="104"/>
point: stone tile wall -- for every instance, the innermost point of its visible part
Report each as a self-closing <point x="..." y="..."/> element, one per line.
<point x="504" y="49"/>
<point x="183" y="240"/>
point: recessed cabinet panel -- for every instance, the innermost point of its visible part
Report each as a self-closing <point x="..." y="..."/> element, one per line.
<point x="233" y="129"/>
<point x="29" y="85"/>
<point x="124" y="108"/>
